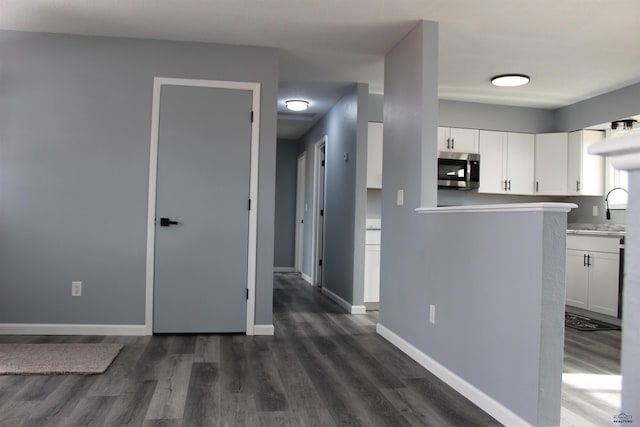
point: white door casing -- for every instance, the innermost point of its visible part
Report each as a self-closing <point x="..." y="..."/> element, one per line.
<point x="254" y="88"/>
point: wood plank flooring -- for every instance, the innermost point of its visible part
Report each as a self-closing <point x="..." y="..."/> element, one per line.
<point x="322" y="368"/>
<point x="591" y="379"/>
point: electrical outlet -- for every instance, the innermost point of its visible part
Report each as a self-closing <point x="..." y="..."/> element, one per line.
<point x="76" y="289"/>
<point x="432" y="313"/>
<point x="400" y="198"/>
<point x="595" y="210"/>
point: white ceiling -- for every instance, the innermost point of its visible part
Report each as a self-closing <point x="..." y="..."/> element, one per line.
<point x="572" y="49"/>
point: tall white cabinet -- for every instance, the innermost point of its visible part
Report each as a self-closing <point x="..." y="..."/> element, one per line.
<point x="507" y="162"/>
<point x="374" y="156"/>
<point x="372" y="232"/>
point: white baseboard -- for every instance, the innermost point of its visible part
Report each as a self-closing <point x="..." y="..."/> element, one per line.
<point x="306" y="278"/>
<point x="480" y="399"/>
<point x="263" y="330"/>
<point x="353" y="309"/>
<point x="69" y="329"/>
<point x="284" y="270"/>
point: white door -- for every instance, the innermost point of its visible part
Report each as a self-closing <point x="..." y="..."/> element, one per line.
<point x="300" y="202"/>
<point x="202" y="209"/>
<point x="318" y="213"/>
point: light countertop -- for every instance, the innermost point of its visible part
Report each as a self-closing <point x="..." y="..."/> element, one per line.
<point x="613" y="230"/>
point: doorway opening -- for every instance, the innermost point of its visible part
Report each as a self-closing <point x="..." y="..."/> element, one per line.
<point x="318" y="211"/>
<point x="300" y="209"/>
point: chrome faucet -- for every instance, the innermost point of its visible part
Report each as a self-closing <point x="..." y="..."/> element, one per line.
<point x="606" y="199"/>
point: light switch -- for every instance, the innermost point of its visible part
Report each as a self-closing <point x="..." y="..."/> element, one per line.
<point x="400" y="198"/>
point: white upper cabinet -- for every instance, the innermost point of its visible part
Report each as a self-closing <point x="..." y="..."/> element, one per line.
<point x="551" y="163"/>
<point x="520" y="162"/>
<point x="374" y="156"/>
<point x="458" y="140"/>
<point x="585" y="172"/>
<point x="506" y="162"/>
<point x="493" y="161"/>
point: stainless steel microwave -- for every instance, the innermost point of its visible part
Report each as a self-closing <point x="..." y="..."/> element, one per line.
<point x="459" y="171"/>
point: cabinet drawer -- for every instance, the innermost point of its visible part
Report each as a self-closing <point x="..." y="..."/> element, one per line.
<point x="594" y="243"/>
<point x="372" y="237"/>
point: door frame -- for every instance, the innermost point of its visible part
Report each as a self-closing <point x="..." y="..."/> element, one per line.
<point x="300" y="202"/>
<point x="316" y="241"/>
<point x="254" y="88"/>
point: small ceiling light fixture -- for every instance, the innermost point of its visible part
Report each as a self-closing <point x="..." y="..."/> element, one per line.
<point x="510" y="80"/>
<point x="297" y="104"/>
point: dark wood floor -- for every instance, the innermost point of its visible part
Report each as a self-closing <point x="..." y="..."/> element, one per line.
<point x="322" y="368"/>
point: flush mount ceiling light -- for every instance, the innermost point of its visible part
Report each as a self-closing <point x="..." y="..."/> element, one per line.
<point x="297" y="105"/>
<point x="510" y="80"/>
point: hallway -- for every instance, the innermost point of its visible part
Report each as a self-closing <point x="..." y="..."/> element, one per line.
<point x="346" y="374"/>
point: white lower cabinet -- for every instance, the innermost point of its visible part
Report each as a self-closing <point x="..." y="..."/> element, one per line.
<point x="372" y="266"/>
<point x="592" y="273"/>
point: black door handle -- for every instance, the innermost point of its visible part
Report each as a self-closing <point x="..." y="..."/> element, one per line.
<point x="165" y="222"/>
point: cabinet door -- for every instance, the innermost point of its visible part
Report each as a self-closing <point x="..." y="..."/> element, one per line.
<point x="574" y="163"/>
<point x="551" y="163"/>
<point x="374" y="156"/>
<point x="464" y="140"/>
<point x="592" y="166"/>
<point x="585" y="172"/>
<point x="493" y="146"/>
<point x="603" y="283"/>
<point x="520" y="153"/>
<point x="372" y="273"/>
<point x="577" y="279"/>
<point x="444" y="139"/>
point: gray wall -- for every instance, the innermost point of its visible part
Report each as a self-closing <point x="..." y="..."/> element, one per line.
<point x="482" y="334"/>
<point x="345" y="208"/>
<point x="494" y="117"/>
<point x="285" y="221"/>
<point x="75" y="122"/>
<point x="600" y="109"/>
<point x="584" y="212"/>
<point x="376" y="107"/>
<point x="631" y="323"/>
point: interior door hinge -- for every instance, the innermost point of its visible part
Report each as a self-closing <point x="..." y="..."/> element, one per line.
<point x="247" y="293"/>
<point x="323" y="163"/>
<point x="249" y="207"/>
<point x="321" y="212"/>
<point x="320" y="263"/>
<point x="252" y="117"/>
